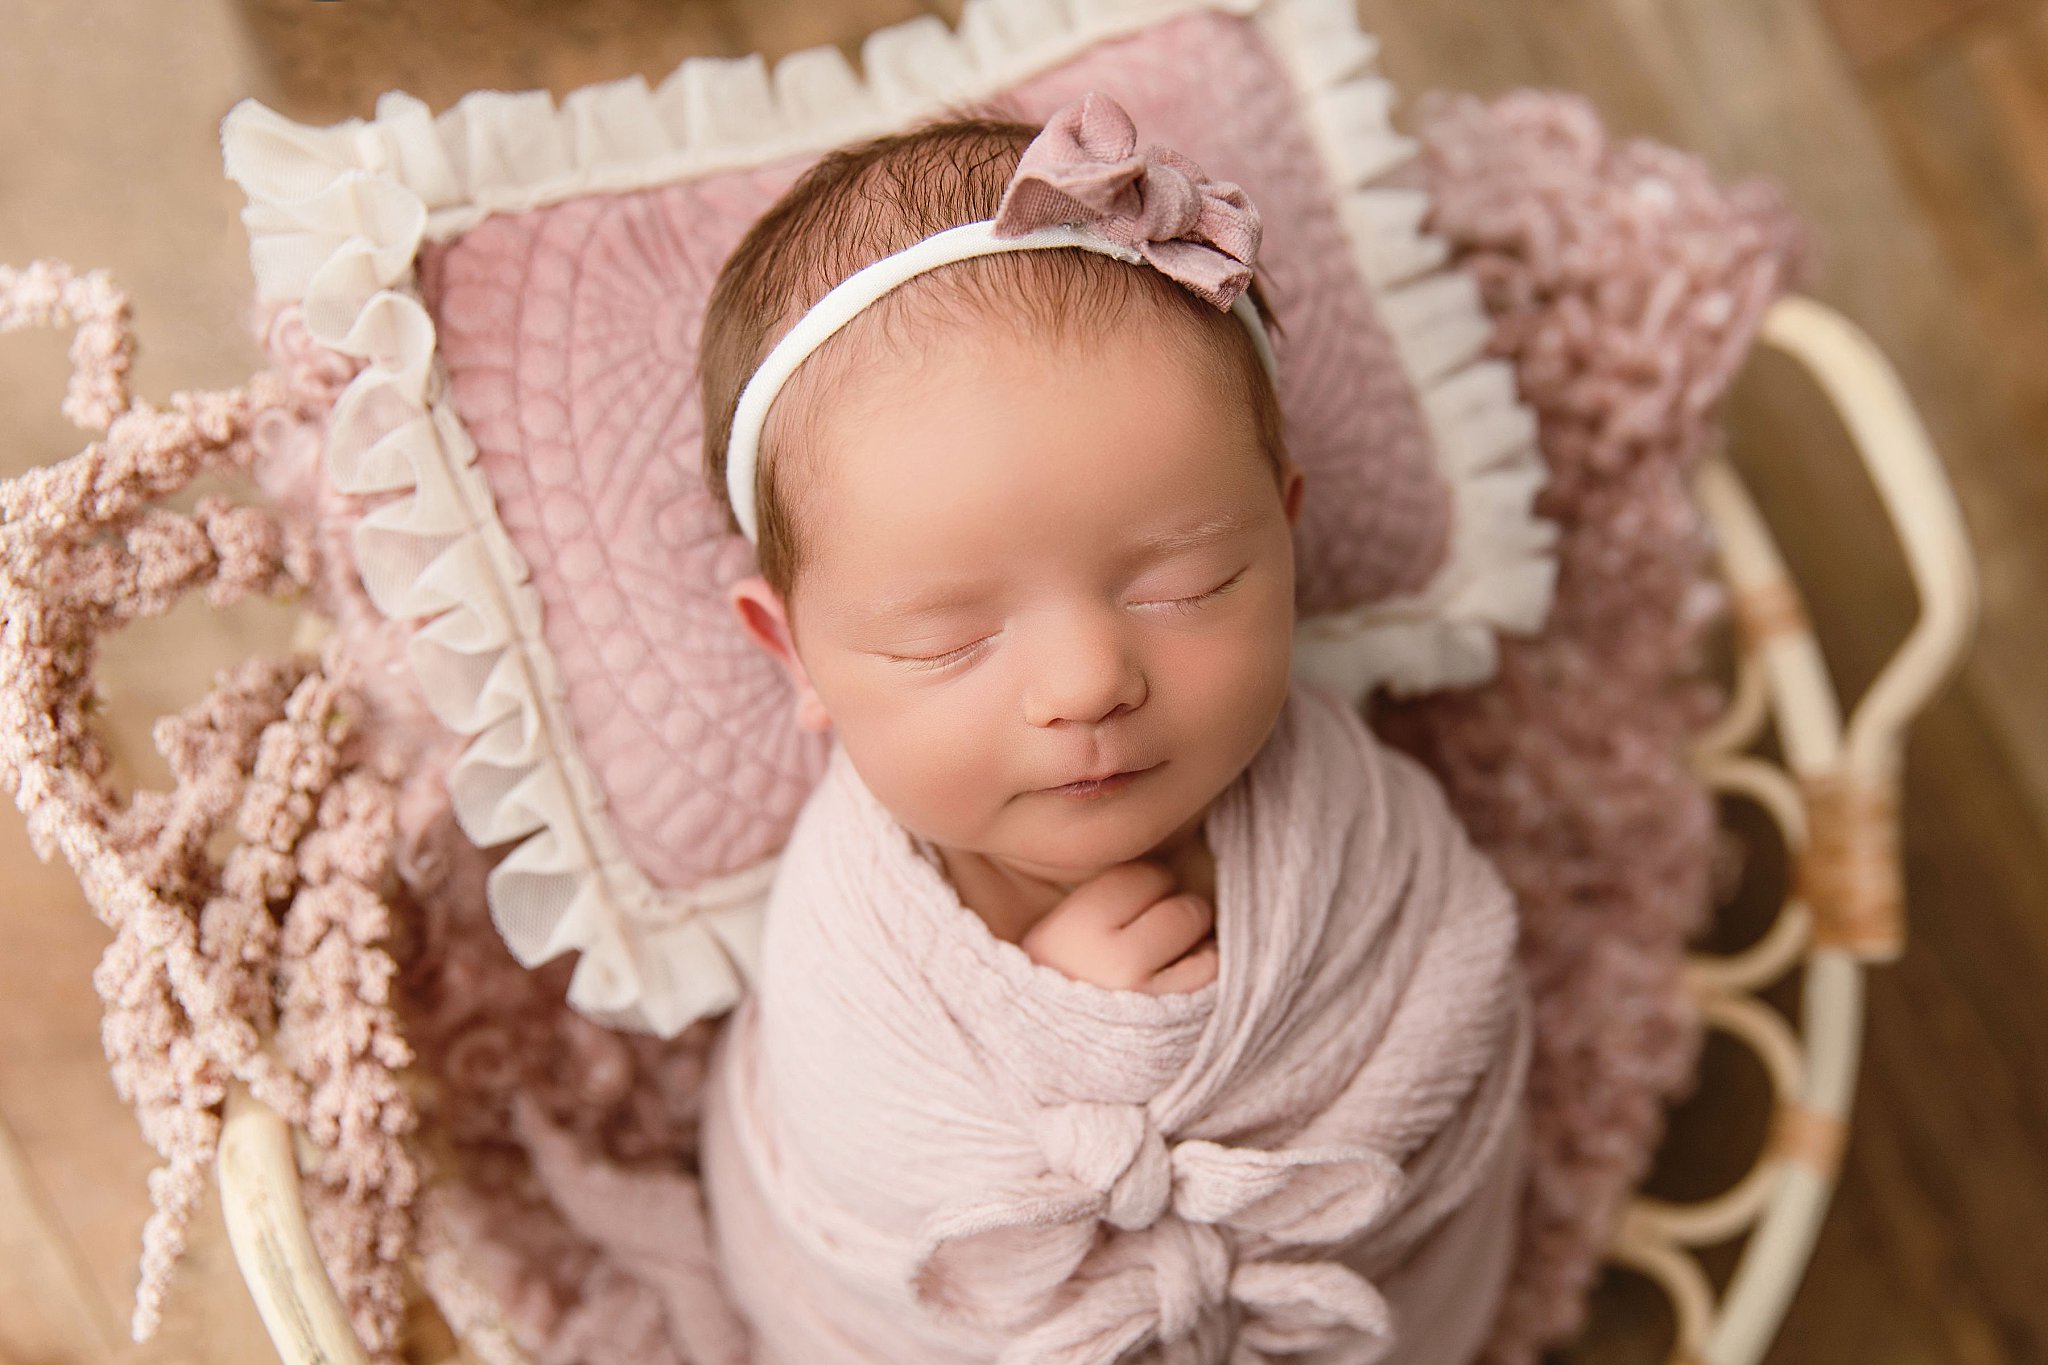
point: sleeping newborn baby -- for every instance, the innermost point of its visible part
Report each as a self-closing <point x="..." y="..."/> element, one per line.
<point x="1120" y="998"/>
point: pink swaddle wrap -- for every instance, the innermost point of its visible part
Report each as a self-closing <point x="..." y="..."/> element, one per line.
<point x="920" y="1146"/>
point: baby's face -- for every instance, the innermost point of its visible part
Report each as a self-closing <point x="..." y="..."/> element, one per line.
<point x="1035" y="563"/>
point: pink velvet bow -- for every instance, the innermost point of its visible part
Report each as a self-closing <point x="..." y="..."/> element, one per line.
<point x="1182" y="1210"/>
<point x="1084" y="168"/>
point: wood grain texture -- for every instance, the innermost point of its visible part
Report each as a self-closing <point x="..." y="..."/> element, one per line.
<point x="1873" y="32"/>
<point x="1913" y="134"/>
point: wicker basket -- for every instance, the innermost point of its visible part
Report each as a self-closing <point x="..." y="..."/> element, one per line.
<point x="1835" y="799"/>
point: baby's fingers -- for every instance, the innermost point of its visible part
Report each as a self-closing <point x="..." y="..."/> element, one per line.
<point x="1108" y="902"/>
<point x="1191" y="973"/>
<point x="1168" y="928"/>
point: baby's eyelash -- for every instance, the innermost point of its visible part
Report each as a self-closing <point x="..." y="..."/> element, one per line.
<point x="1190" y="603"/>
<point x="937" y="660"/>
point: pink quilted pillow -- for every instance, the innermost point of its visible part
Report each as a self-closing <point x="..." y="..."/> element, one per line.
<point x="517" y="453"/>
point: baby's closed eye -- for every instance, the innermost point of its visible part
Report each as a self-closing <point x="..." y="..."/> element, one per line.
<point x="1190" y="602"/>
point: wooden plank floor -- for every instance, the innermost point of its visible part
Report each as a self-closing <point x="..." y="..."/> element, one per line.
<point x="1912" y="133"/>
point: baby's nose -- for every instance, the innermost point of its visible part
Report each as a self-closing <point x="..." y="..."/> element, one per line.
<point x="1086" y="673"/>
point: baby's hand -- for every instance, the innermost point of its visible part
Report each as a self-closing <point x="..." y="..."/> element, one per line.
<point x="1124" y="929"/>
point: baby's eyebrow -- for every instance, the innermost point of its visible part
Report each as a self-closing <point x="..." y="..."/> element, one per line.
<point x="1209" y="528"/>
<point x="921" y="604"/>
<point x="932" y="600"/>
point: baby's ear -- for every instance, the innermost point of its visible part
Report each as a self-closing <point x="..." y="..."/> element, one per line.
<point x="765" y="619"/>
<point x="1290" y="490"/>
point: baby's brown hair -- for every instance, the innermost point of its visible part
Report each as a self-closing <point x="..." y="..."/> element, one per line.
<point x="870" y="200"/>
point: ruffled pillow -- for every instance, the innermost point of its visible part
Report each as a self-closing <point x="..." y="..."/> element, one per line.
<point x="519" y="287"/>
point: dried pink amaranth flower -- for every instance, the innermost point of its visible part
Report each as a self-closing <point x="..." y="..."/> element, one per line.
<point x="266" y="966"/>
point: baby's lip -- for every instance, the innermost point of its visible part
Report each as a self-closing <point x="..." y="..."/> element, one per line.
<point x="1098" y="775"/>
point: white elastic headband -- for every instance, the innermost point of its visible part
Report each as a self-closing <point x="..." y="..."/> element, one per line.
<point x="846" y="299"/>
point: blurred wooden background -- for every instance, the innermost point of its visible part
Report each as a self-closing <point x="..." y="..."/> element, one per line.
<point x="1912" y="133"/>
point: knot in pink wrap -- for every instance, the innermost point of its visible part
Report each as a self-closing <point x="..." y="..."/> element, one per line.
<point x="922" y="1147"/>
<point x="1109" y="1162"/>
<point x="1084" y="167"/>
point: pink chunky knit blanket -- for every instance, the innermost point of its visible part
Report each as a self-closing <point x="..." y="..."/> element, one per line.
<point x="921" y="1146"/>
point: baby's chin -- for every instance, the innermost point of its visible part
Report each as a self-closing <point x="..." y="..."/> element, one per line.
<point x="1081" y="843"/>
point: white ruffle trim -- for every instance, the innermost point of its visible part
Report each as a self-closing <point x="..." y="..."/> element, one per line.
<point x="336" y="217"/>
<point x="1501" y="569"/>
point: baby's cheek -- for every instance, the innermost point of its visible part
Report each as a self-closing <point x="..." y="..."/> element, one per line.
<point x="1228" y="668"/>
<point x="1227" y="694"/>
<point x="951" y="766"/>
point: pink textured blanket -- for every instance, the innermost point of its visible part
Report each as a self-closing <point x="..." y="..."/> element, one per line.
<point x="921" y="1146"/>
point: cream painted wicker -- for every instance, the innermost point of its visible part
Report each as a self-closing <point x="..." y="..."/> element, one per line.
<point x="1835" y="800"/>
